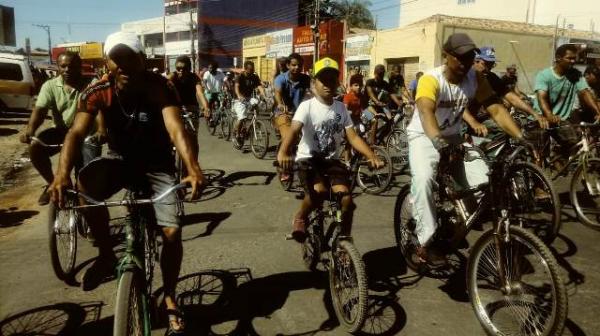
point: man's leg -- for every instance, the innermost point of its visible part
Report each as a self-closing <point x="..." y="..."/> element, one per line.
<point x="340" y="183"/>
<point x="314" y="193"/>
<point x="40" y="157"/>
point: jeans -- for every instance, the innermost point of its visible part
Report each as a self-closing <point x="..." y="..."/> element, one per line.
<point x="424" y="160"/>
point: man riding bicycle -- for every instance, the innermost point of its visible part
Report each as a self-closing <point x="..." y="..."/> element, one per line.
<point x="442" y="96"/>
<point x="323" y="122"/>
<point x="245" y="84"/>
<point x="381" y="94"/>
<point x="213" y="84"/>
<point x="143" y="121"/>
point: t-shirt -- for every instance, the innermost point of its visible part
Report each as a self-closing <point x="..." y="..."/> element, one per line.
<point x="355" y="103"/>
<point x="450" y="100"/>
<point x="562" y="90"/>
<point x="396" y="82"/>
<point x="135" y="124"/>
<point x="510" y="81"/>
<point x="247" y="83"/>
<point x="213" y="83"/>
<point x="381" y="88"/>
<point x="186" y="87"/>
<point x="323" y="129"/>
<point x="497" y="84"/>
<point x="292" y="93"/>
<point x="63" y="104"/>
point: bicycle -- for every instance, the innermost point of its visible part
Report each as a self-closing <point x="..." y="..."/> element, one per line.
<point x="347" y="274"/>
<point x="135" y="301"/>
<point x="220" y="117"/>
<point x="253" y="129"/>
<point x="503" y="262"/>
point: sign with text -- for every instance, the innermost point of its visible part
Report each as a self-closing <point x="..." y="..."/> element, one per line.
<point x="279" y="43"/>
<point x="358" y="48"/>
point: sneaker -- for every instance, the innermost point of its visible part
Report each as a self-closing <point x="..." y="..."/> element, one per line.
<point x="101" y="271"/>
<point x="299" y="230"/>
<point x="431" y="257"/>
<point x="44" y="197"/>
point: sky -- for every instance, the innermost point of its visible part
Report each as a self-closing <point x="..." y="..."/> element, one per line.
<point x="87" y="20"/>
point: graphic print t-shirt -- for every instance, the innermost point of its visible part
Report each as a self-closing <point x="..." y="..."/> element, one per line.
<point x="323" y="129"/>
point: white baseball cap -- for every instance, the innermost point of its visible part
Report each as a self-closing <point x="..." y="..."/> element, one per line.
<point x="128" y="39"/>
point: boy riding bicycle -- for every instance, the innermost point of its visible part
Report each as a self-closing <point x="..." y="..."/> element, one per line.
<point x="323" y="122"/>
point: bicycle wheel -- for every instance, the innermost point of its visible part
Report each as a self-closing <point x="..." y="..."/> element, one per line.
<point x="62" y="234"/>
<point x="130" y="318"/>
<point x="585" y="193"/>
<point x="397" y="146"/>
<point x="259" y="139"/>
<point x="404" y="229"/>
<point x="531" y="300"/>
<point x="311" y="248"/>
<point x="348" y="285"/>
<point x="375" y="181"/>
<point x="534" y="201"/>
<point x="225" y="123"/>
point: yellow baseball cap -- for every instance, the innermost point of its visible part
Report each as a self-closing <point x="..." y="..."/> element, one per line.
<point x="325" y="63"/>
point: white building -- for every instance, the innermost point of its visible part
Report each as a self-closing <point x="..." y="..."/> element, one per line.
<point x="581" y="14"/>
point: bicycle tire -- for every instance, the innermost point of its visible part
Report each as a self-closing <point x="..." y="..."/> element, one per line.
<point x="225" y="125"/>
<point x="527" y="201"/>
<point x="62" y="264"/>
<point x="354" y="322"/>
<point x="593" y="165"/>
<point x="559" y="310"/>
<point x="404" y="226"/>
<point x="397" y="146"/>
<point x="379" y="181"/>
<point x="130" y="318"/>
<point x="259" y="134"/>
<point x="311" y="248"/>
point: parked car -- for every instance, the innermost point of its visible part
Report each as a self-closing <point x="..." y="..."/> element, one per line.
<point x="17" y="86"/>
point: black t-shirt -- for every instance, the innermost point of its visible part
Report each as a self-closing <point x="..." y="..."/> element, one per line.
<point x="396" y="82"/>
<point x="134" y="120"/>
<point x="186" y="88"/>
<point x="248" y="82"/>
<point x="382" y="89"/>
<point x="497" y="84"/>
<point x="510" y="82"/>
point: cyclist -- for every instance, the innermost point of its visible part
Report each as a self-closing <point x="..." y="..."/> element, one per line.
<point x="485" y="61"/>
<point x="229" y="84"/>
<point x="322" y="122"/>
<point x="397" y="83"/>
<point x="381" y="95"/>
<point x="442" y="96"/>
<point x="355" y="100"/>
<point x="557" y="90"/>
<point x="61" y="95"/>
<point x="245" y="84"/>
<point x="592" y="78"/>
<point x="213" y="84"/>
<point x="142" y="118"/>
<point x="290" y="88"/>
<point x="510" y="79"/>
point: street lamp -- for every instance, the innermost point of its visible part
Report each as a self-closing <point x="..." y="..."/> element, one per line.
<point x="47" y="29"/>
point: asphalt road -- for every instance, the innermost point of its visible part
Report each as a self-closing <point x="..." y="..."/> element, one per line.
<point x="240" y="276"/>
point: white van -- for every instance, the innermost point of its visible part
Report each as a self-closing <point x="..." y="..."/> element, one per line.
<point x="17" y="88"/>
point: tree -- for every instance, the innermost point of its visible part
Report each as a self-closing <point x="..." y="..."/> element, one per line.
<point x="355" y="12"/>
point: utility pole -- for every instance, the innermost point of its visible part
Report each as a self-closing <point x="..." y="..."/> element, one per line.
<point x="316" y="31"/>
<point x="47" y="29"/>
<point x="164" y="38"/>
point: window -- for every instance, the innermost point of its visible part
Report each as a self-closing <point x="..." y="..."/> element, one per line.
<point x="10" y="71"/>
<point x="462" y="2"/>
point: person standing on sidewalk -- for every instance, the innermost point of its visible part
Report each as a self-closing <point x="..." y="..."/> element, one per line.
<point x="60" y="95"/>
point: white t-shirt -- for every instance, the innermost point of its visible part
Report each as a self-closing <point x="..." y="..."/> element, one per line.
<point x="450" y="100"/>
<point x="213" y="83"/>
<point x="323" y="128"/>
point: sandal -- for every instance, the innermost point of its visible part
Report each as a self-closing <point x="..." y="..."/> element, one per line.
<point x="175" y="315"/>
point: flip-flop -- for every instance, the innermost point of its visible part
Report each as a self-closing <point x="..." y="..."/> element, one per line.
<point x="175" y="315"/>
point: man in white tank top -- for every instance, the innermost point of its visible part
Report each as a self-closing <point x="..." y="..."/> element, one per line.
<point x="442" y="96"/>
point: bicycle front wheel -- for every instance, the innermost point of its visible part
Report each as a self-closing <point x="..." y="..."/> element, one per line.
<point x="585" y="193"/>
<point x="348" y="285"/>
<point x="62" y="237"/>
<point x="259" y="139"/>
<point x="225" y="122"/>
<point x="397" y="147"/>
<point x="515" y="286"/>
<point x="375" y="181"/>
<point x="130" y="318"/>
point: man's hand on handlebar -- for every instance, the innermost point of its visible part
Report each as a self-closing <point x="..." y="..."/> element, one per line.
<point x="543" y="122"/>
<point x="25" y="137"/>
<point x="375" y="162"/>
<point x="285" y="161"/>
<point x="480" y="129"/>
<point x="553" y="119"/>
<point x="58" y="189"/>
<point x="198" y="183"/>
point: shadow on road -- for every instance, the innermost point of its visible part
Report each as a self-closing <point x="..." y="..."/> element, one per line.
<point x="562" y="248"/>
<point x="572" y="329"/>
<point x="58" y="319"/>
<point x="214" y="219"/>
<point x="7" y="131"/>
<point x="13" y="216"/>
<point x="234" y="178"/>
<point x="13" y="122"/>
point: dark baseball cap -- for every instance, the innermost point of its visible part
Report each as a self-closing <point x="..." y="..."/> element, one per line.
<point x="459" y="44"/>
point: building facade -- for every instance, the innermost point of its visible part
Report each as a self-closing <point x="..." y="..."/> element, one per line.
<point x="581" y="14"/>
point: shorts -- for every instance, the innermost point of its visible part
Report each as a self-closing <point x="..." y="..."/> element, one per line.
<point x="105" y="176"/>
<point x="330" y="172"/>
<point x="56" y="136"/>
<point x="241" y="109"/>
<point x="367" y="116"/>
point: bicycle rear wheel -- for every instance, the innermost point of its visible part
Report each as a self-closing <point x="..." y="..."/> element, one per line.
<point x="531" y="300"/>
<point x="534" y="200"/>
<point x="62" y="234"/>
<point x="585" y="193"/>
<point x="348" y="285"/>
<point x="259" y="139"/>
<point x="375" y="181"/>
<point x="130" y="317"/>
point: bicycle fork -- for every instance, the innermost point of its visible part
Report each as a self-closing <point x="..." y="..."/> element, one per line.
<point x="508" y="264"/>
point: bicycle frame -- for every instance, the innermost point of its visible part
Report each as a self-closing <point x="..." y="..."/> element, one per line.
<point x="581" y="156"/>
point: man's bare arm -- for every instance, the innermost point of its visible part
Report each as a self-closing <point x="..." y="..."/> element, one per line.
<point x="587" y="98"/>
<point x="35" y="121"/>
<point x="426" y="109"/>
<point x="502" y="117"/>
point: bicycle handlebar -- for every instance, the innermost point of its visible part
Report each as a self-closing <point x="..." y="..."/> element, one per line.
<point x="96" y="203"/>
<point x="38" y="140"/>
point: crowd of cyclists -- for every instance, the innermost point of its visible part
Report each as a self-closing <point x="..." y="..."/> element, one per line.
<point x="137" y="113"/>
